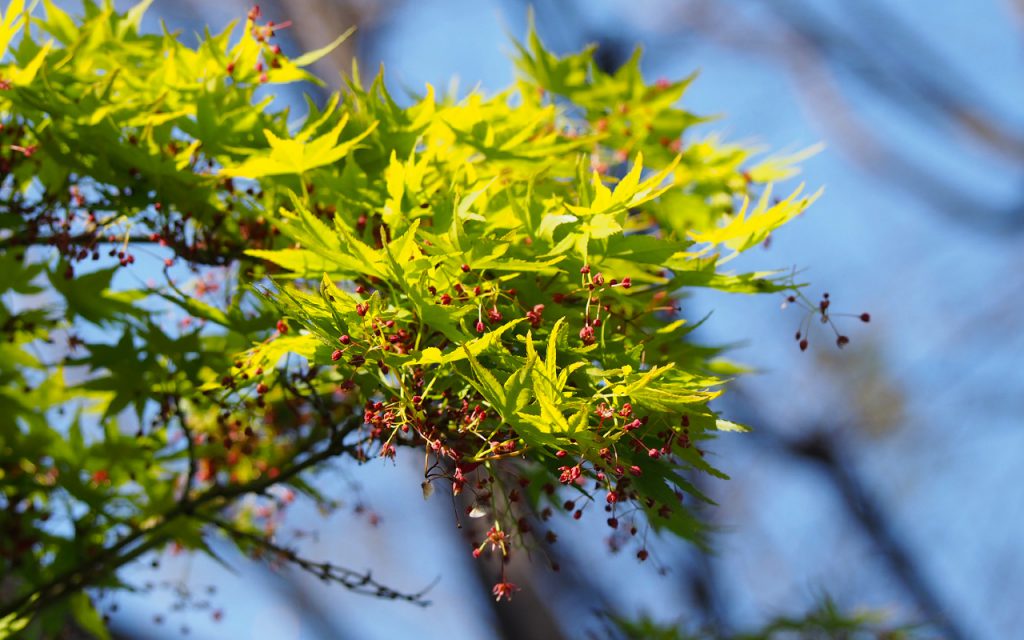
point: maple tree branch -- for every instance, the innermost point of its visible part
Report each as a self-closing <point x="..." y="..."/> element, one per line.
<point x="357" y="582"/>
<point x="123" y="552"/>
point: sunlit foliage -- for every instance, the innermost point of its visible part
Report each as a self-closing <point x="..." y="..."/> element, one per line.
<point x="207" y="297"/>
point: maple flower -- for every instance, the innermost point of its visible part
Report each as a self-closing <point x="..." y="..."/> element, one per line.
<point x="504" y="590"/>
<point x="497" y="538"/>
<point x="569" y="474"/>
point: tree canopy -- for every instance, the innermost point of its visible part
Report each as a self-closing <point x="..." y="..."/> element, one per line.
<point x="207" y="296"/>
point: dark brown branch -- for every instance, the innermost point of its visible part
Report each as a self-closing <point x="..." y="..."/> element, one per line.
<point x="192" y="461"/>
<point x="362" y="583"/>
<point x="181" y="249"/>
<point x="119" y="554"/>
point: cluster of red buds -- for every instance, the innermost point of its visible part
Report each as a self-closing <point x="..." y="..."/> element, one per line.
<point x="263" y="33"/>
<point x="593" y="285"/>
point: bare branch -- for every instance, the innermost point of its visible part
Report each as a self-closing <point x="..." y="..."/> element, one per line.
<point x="357" y="582"/>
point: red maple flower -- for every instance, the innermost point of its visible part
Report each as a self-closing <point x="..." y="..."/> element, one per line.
<point x="504" y="590"/>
